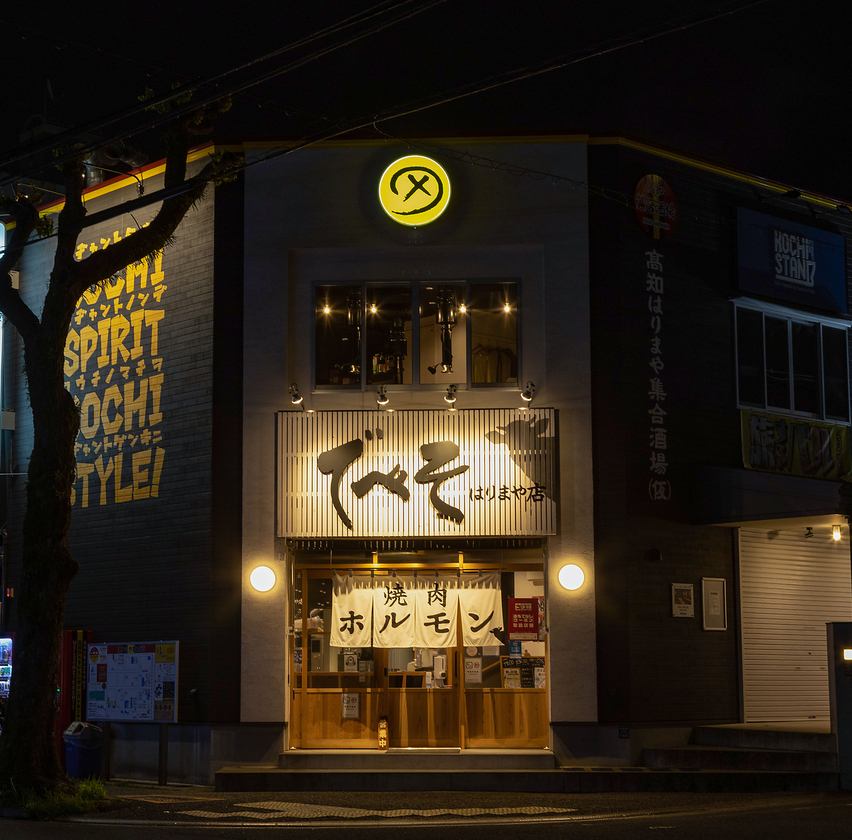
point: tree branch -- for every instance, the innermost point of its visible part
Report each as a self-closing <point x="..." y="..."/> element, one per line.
<point x="11" y="305"/>
<point x="72" y="217"/>
<point x="153" y="237"/>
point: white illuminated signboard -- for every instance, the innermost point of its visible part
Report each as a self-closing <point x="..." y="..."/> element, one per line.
<point x="476" y="472"/>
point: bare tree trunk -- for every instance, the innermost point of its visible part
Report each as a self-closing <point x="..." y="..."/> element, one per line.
<point x="28" y="746"/>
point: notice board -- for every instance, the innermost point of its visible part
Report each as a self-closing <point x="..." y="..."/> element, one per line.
<point x="522" y="672"/>
<point x="132" y="681"/>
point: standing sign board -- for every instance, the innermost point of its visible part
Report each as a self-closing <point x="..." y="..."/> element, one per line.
<point x="135" y="681"/>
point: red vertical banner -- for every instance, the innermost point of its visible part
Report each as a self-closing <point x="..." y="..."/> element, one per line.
<point x="523" y="619"/>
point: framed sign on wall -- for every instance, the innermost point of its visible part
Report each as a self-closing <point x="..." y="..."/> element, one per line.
<point x="714" y="606"/>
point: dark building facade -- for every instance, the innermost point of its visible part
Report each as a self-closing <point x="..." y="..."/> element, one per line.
<point x="682" y="331"/>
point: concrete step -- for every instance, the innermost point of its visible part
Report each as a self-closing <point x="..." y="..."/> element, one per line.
<point x="451" y="759"/>
<point x="567" y="780"/>
<point x="726" y="758"/>
<point x="764" y="738"/>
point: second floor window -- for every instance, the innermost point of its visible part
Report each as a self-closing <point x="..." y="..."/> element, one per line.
<point x="792" y="362"/>
<point x="426" y="333"/>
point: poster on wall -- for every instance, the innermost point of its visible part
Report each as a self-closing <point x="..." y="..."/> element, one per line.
<point x="350" y="705"/>
<point x="136" y="681"/>
<point x="683" y="600"/>
<point x="524" y="617"/>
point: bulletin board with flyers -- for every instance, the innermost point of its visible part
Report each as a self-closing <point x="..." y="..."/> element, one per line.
<point x="136" y="681"/>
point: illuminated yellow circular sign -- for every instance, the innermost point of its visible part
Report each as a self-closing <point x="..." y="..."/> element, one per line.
<point x="414" y="190"/>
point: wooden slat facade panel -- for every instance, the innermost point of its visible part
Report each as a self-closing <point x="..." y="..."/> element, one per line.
<point x="494" y="494"/>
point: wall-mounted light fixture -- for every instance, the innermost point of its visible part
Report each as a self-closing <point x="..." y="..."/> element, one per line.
<point x="262" y="578"/>
<point x="836" y="533"/>
<point x="571" y="577"/>
<point x="450" y="396"/>
<point x="809" y="532"/>
<point x="382" y="398"/>
<point x="528" y="393"/>
<point x="296" y="397"/>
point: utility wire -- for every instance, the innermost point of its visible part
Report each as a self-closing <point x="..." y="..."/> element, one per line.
<point x="148" y="108"/>
<point x="520" y="74"/>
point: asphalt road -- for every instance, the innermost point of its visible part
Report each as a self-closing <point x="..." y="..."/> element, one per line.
<point x="590" y="817"/>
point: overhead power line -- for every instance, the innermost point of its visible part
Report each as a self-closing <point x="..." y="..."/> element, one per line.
<point x="384" y="14"/>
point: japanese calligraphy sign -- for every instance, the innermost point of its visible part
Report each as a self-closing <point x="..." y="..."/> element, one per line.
<point x="437" y="607"/>
<point x="420" y="473"/>
<point x="404" y="612"/>
<point x="351" y="612"/>
<point x="659" y="484"/>
<point x="481" y="609"/>
<point x="393" y="613"/>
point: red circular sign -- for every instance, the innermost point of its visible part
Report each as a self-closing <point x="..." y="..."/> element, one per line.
<point x="655" y="206"/>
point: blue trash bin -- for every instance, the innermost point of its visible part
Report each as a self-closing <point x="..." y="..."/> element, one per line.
<point x="84" y="750"/>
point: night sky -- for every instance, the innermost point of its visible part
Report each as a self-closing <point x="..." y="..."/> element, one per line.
<point x="767" y="90"/>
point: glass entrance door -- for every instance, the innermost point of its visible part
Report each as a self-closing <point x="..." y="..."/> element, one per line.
<point x="423" y="697"/>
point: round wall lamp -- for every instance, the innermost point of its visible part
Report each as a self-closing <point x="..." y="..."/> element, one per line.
<point x="262" y="578"/>
<point x="571" y="577"/>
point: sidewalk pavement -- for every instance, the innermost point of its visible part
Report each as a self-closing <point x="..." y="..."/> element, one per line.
<point x="148" y="803"/>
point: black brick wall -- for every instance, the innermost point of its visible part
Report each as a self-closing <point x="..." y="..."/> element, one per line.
<point x="146" y="565"/>
<point x="654" y="668"/>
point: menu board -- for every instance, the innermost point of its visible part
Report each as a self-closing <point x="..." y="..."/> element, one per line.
<point x="134" y="681"/>
<point x="522" y="672"/>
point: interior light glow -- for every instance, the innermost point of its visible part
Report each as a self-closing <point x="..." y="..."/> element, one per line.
<point x="571" y="577"/>
<point x="847" y="654"/>
<point x="373" y="309"/>
<point x="262" y="578"/>
<point x="326" y="310"/>
<point x="507" y="307"/>
<point x="463" y="308"/>
<point x="836" y="533"/>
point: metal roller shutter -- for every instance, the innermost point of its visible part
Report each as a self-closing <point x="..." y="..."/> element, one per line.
<point x="790" y="586"/>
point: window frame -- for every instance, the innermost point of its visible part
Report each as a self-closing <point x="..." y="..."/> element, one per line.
<point x="414" y="286"/>
<point x="791" y="317"/>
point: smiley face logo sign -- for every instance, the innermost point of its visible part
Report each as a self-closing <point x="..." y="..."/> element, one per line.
<point x="414" y="190"/>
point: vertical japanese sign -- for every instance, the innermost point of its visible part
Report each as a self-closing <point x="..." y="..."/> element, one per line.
<point x="656" y="211"/>
<point x="114" y="371"/>
<point x="659" y="485"/>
